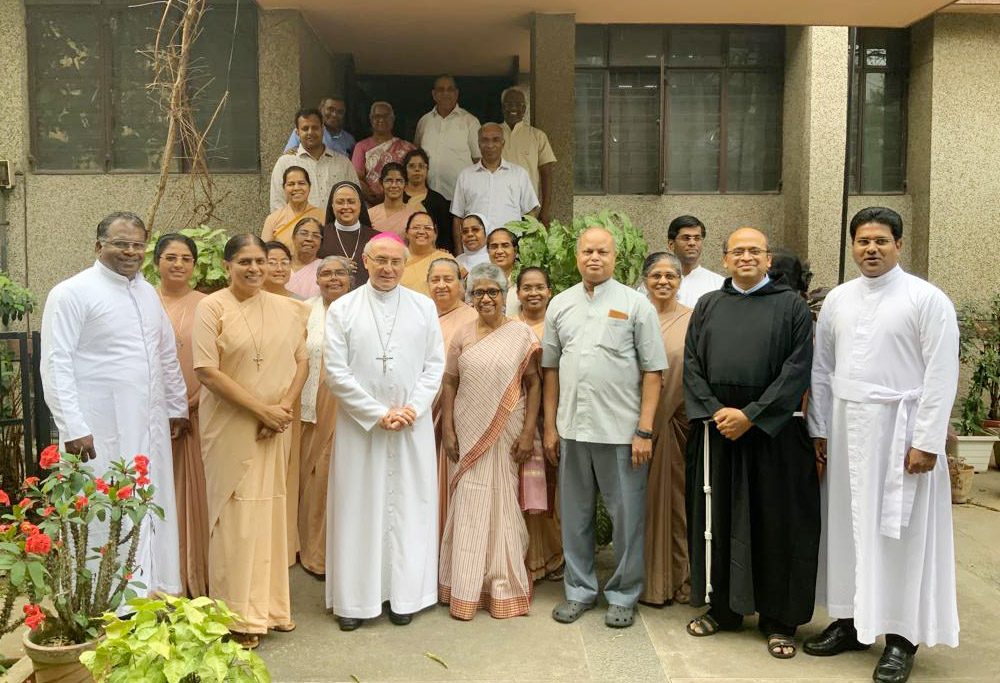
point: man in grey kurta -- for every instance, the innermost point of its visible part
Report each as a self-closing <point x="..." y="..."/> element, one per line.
<point x="602" y="357"/>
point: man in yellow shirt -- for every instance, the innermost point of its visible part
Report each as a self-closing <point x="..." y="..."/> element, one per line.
<point x="529" y="147"/>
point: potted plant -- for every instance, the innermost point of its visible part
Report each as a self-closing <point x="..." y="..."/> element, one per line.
<point x="173" y="639"/>
<point x="960" y="473"/>
<point x="46" y="556"/>
<point x="979" y="350"/>
<point x="209" y="272"/>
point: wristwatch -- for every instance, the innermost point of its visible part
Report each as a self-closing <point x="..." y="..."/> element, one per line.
<point x="643" y="434"/>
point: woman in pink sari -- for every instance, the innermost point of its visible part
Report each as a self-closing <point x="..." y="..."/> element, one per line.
<point x="371" y="154"/>
<point x="490" y="399"/>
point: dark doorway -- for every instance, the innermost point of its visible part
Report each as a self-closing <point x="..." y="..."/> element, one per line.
<point x="410" y="97"/>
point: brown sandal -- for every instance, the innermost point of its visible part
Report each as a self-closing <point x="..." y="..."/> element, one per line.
<point x="248" y="641"/>
<point x="776" y="642"/>
<point x="287" y="628"/>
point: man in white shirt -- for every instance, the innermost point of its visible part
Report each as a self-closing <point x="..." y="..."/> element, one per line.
<point x="529" y="147"/>
<point x="686" y="238"/>
<point x="326" y="168"/>
<point x="494" y="187"/>
<point x="884" y="379"/>
<point x="113" y="383"/>
<point x="448" y="134"/>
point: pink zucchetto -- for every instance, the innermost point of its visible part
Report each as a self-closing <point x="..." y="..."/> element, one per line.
<point x="388" y="236"/>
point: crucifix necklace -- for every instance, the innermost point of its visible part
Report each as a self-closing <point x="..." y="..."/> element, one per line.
<point x="385" y="357"/>
<point x="341" y="242"/>
<point x="257" y="357"/>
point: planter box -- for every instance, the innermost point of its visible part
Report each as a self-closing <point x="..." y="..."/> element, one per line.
<point x="977" y="450"/>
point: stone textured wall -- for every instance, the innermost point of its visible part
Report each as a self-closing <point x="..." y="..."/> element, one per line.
<point x="553" y="45"/>
<point x="279" y="81"/>
<point x="316" y="75"/>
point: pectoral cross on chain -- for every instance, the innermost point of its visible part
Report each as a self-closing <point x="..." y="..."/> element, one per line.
<point x="258" y="360"/>
<point x="385" y="358"/>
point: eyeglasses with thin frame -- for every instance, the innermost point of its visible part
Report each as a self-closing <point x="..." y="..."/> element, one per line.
<point x="174" y="258"/>
<point x="738" y="252"/>
<point x="865" y="242"/>
<point x="123" y="244"/>
<point x="330" y="274"/>
<point x="669" y="277"/>
<point x="382" y="262"/>
<point x="309" y="233"/>
<point x="276" y="263"/>
<point x="492" y="293"/>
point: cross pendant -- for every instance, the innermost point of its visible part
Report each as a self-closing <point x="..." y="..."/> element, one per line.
<point x="385" y="358"/>
<point x="258" y="360"/>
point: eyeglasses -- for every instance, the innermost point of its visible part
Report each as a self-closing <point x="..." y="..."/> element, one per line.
<point x="394" y="181"/>
<point x="123" y="245"/>
<point x="669" y="277"/>
<point x="689" y="238"/>
<point x="865" y="242"/>
<point x="533" y="289"/>
<point x="328" y="274"/>
<point x="306" y="233"/>
<point x="492" y="293"/>
<point x="739" y="252"/>
<point x="382" y="262"/>
<point x="493" y="246"/>
<point x="283" y="263"/>
<point x="173" y="258"/>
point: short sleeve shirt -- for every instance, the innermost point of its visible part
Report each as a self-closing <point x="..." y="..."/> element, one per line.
<point x="529" y="147"/>
<point x="601" y="345"/>
<point x="502" y="195"/>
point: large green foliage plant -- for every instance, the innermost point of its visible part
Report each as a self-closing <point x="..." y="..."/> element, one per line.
<point x="979" y="350"/>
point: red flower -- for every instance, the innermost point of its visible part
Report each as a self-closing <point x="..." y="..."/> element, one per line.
<point x="142" y="481"/>
<point x="101" y="485"/>
<point x="25" y="503"/>
<point x="4" y="498"/>
<point x="30" y="481"/>
<point x="33" y="616"/>
<point x="124" y="492"/>
<point x="49" y="457"/>
<point x="48" y="511"/>
<point x="4" y="528"/>
<point x="81" y="502"/>
<point x="28" y="529"/>
<point x="128" y="577"/>
<point x="142" y="464"/>
<point x="39" y="543"/>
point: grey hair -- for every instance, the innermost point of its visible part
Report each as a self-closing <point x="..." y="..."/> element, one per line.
<point x="367" y="251"/>
<point x="507" y="91"/>
<point x="450" y="261"/>
<point x="342" y="260"/>
<point x="490" y="272"/>
<point x="371" y="110"/>
<point x="127" y="216"/>
<point x="658" y="256"/>
<point x="614" y="240"/>
<point x="489" y="124"/>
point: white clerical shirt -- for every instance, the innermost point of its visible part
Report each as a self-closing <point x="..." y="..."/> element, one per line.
<point x="699" y="281"/>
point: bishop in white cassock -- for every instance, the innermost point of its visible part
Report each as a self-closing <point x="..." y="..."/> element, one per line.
<point x="884" y="378"/>
<point x="384" y="361"/>
<point x="113" y="383"/>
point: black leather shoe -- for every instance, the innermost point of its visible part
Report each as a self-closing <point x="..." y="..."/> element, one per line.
<point x="836" y="638"/>
<point x="348" y="623"/>
<point x="400" y="619"/>
<point x="895" y="665"/>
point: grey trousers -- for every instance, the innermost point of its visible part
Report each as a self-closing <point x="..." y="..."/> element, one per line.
<point x="583" y="469"/>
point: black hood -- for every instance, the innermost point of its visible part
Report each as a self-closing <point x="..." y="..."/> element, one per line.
<point x="772" y="287"/>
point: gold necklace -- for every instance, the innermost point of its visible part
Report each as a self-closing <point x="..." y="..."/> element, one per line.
<point x="257" y="357"/>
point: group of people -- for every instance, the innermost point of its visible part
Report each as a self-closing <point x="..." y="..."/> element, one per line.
<point x="418" y="427"/>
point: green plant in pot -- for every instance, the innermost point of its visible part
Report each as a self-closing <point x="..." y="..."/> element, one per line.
<point x="979" y="410"/>
<point x="209" y="272"/>
<point x="173" y="639"/>
<point x="554" y="248"/>
<point x="50" y="559"/>
<point x="16" y="302"/>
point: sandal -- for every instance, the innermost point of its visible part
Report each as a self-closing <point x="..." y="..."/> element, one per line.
<point x="248" y="641"/>
<point x="777" y="642"/>
<point x="287" y="628"/>
<point x="569" y="611"/>
<point x="682" y="596"/>
<point x="706" y="624"/>
<point x="619" y="616"/>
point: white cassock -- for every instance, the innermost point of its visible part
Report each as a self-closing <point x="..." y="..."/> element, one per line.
<point x="382" y="508"/>
<point x="885" y="374"/>
<point x="699" y="281"/>
<point x="109" y="369"/>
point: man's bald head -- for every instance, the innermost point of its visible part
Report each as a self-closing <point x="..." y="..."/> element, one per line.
<point x="595" y="231"/>
<point x="490" y="143"/>
<point x="595" y="256"/>
<point x="746" y="257"/>
<point x="746" y="233"/>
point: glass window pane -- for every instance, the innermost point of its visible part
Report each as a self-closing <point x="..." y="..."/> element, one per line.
<point x="636" y="45"/>
<point x="139" y="125"/>
<point x="756" y="46"/>
<point x="588" y="130"/>
<point x="885" y="48"/>
<point x="590" y="45"/>
<point x="883" y="152"/>
<point x="694" y="47"/>
<point x="753" y="131"/>
<point x="634" y="140"/>
<point x="693" y="131"/>
<point x="232" y="140"/>
<point x="68" y="112"/>
<point x="852" y="136"/>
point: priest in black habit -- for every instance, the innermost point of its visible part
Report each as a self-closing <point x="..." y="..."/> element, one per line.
<point x="747" y="363"/>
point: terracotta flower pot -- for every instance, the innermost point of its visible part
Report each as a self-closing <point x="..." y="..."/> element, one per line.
<point x="59" y="663"/>
<point x="961" y="483"/>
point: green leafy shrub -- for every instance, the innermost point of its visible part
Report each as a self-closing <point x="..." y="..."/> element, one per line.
<point x="173" y="640"/>
<point x="209" y="272"/>
<point x="16" y="301"/>
<point x="554" y="247"/>
<point x="979" y="349"/>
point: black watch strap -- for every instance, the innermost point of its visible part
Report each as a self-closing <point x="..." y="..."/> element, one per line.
<point x="643" y="434"/>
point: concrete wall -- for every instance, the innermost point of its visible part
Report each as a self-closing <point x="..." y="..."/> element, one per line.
<point x="52" y="218"/>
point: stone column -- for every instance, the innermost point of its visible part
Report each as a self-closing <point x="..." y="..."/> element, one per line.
<point x="14" y="131"/>
<point x="279" y="86"/>
<point x="553" y="50"/>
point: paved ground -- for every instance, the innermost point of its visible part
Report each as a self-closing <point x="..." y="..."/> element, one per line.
<point x="534" y="648"/>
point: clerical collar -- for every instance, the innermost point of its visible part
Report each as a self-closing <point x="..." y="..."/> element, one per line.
<point x="753" y="289"/>
<point x="117" y="277"/>
<point x="380" y="295"/>
<point x="883" y="280"/>
<point x="347" y="228"/>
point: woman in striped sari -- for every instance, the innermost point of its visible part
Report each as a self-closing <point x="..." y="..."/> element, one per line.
<point x="490" y="399"/>
<point x="279" y="224"/>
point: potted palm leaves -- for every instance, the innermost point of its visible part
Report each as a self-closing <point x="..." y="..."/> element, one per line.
<point x="979" y="411"/>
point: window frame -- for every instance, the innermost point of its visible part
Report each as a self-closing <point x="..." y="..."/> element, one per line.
<point x="861" y="70"/>
<point x="724" y="70"/>
<point x="105" y="9"/>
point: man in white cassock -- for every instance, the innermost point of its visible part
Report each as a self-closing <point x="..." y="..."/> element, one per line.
<point x="113" y="383"/>
<point x="885" y="374"/>
<point x="384" y="360"/>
